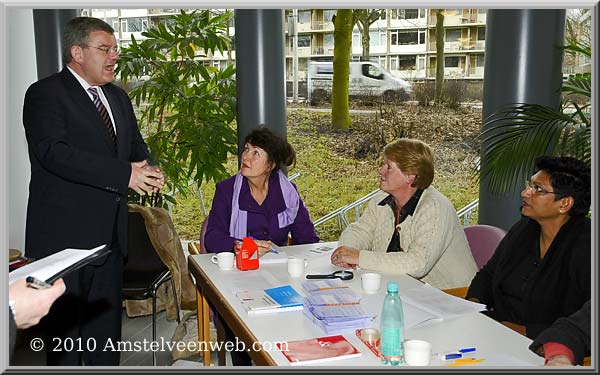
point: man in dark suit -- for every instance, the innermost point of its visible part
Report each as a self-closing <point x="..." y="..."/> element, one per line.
<point x="85" y="150"/>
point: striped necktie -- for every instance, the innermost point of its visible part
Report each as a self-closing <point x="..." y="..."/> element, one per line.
<point x="104" y="114"/>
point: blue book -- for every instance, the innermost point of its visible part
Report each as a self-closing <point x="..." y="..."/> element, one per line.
<point x="280" y="299"/>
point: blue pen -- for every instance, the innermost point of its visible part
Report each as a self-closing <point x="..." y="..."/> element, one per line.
<point x="446" y="357"/>
<point x="467" y="350"/>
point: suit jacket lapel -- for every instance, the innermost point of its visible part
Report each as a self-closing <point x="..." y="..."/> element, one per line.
<point x="89" y="112"/>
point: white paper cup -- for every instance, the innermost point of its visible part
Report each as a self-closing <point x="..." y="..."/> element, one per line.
<point x="223" y="260"/>
<point x="296" y="266"/>
<point x="371" y="282"/>
<point x="417" y="352"/>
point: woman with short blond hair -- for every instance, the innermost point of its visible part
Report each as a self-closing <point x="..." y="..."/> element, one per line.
<point x="410" y="227"/>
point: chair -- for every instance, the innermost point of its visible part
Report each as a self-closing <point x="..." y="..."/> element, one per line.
<point x="144" y="271"/>
<point x="483" y="240"/>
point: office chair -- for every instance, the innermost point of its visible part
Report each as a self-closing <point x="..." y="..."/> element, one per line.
<point x="483" y="241"/>
<point x="145" y="271"/>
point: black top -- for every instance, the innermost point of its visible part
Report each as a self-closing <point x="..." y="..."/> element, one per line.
<point x="517" y="290"/>
<point x="407" y="209"/>
<point x="573" y="331"/>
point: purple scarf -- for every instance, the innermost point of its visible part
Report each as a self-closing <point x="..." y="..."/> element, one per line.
<point x="238" y="225"/>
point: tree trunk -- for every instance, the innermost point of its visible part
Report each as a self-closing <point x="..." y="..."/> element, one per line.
<point x="366" y="41"/>
<point x="342" y="43"/>
<point x="439" y="48"/>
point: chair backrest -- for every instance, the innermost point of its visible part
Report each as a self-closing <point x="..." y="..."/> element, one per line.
<point x="141" y="255"/>
<point x="203" y="234"/>
<point x="483" y="240"/>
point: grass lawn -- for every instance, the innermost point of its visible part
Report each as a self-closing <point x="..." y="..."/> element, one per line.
<point x="339" y="167"/>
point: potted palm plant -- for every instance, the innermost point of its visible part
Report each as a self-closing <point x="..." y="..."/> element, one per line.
<point x="519" y="132"/>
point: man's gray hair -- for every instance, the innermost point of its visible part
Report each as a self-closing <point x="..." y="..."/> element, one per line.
<point x="77" y="32"/>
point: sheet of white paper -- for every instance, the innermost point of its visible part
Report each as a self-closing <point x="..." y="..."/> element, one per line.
<point x="49" y="266"/>
<point x="253" y="281"/>
<point x="438" y="303"/>
<point x="414" y="315"/>
<point x="273" y="258"/>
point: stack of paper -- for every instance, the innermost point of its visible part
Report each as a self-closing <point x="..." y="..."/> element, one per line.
<point x="440" y="304"/>
<point x="334" y="307"/>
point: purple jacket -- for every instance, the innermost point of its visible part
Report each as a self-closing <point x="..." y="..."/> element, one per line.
<point x="262" y="220"/>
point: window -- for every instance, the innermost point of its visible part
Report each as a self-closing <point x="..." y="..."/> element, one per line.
<point x="410" y="14"/>
<point x="405" y="14"/>
<point x="134" y="25"/>
<point x="304" y="16"/>
<point x="400" y="37"/>
<point x="451" y="62"/>
<point x="372" y="71"/>
<point x="356" y="40"/>
<point x="421" y="63"/>
<point x="328" y="14"/>
<point x="394" y="62"/>
<point x="421" y="36"/>
<point x="481" y="33"/>
<point x="421" y="13"/>
<point x="407" y="62"/>
<point x="328" y="40"/>
<point x="376" y="38"/>
<point x="452" y="35"/>
<point x="480" y="60"/>
<point x="303" y="40"/>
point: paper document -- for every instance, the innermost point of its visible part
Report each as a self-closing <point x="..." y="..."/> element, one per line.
<point x="440" y="304"/>
<point x="273" y="257"/>
<point x="57" y="265"/>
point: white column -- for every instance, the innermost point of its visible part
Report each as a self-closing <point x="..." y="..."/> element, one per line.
<point x="21" y="69"/>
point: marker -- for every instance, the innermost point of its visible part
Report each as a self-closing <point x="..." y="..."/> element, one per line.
<point x="467" y="350"/>
<point x="274" y="251"/>
<point x="37" y="283"/>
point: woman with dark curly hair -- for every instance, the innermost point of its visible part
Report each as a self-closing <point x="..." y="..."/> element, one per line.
<point x="541" y="269"/>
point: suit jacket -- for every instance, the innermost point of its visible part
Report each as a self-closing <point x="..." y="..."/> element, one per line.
<point x="79" y="179"/>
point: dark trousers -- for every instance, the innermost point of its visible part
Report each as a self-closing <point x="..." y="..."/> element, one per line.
<point x="238" y="358"/>
<point x="85" y="323"/>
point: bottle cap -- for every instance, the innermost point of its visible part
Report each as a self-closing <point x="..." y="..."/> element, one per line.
<point x="392" y="287"/>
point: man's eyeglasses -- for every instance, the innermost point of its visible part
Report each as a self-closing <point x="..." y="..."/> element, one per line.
<point x="105" y="49"/>
<point x="538" y="190"/>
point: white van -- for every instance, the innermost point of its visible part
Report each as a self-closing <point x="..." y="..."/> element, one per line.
<point x="366" y="78"/>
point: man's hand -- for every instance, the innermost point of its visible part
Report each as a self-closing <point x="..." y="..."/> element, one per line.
<point x="32" y="304"/>
<point x="145" y="179"/>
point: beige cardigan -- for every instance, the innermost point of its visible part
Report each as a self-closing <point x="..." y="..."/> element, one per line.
<point x="435" y="247"/>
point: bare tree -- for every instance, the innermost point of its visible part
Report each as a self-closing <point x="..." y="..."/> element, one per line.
<point x="439" y="50"/>
<point x="364" y="18"/>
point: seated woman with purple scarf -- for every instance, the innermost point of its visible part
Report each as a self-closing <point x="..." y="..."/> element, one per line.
<point x="259" y="201"/>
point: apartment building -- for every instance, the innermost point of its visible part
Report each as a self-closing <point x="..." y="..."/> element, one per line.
<point x="401" y="40"/>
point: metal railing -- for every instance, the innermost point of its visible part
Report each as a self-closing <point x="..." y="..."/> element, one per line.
<point x="341" y="214"/>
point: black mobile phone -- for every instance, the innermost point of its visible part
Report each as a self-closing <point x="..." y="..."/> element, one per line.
<point x="37" y="283"/>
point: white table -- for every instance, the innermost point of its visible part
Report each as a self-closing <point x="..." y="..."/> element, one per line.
<point x="494" y="342"/>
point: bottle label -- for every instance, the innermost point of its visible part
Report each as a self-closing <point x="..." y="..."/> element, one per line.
<point x="391" y="342"/>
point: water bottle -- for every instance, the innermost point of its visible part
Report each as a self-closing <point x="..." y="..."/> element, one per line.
<point x="392" y="327"/>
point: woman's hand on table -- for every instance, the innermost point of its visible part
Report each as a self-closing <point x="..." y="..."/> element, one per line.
<point x="263" y="247"/>
<point x="345" y="257"/>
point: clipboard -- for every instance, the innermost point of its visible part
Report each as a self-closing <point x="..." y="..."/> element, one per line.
<point x="77" y="265"/>
<point x="57" y="265"/>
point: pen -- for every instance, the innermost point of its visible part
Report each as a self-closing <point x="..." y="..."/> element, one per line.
<point x="458" y="354"/>
<point x="37" y="283"/>
<point x="274" y="251"/>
